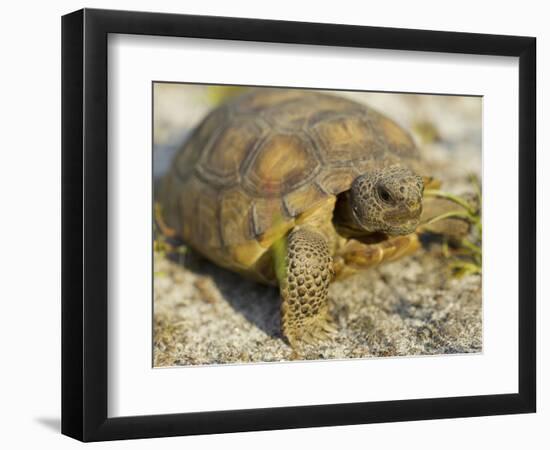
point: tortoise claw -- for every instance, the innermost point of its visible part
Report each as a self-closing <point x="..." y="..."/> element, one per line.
<point x="317" y="330"/>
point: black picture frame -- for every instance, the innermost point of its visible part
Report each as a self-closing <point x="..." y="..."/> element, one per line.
<point x="84" y="224"/>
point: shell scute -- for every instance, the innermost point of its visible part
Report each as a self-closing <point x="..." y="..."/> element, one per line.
<point x="305" y="197"/>
<point x="221" y="166"/>
<point x="337" y="179"/>
<point x="203" y="218"/>
<point x="269" y="219"/>
<point x="395" y="138"/>
<point x="235" y="206"/>
<point x="282" y="163"/>
<point x="343" y="139"/>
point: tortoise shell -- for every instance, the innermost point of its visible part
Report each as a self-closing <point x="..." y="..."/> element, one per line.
<point x="257" y="164"/>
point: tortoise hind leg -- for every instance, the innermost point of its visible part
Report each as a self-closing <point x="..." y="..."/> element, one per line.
<point x="304" y="276"/>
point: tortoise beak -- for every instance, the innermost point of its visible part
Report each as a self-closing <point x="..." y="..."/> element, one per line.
<point x="403" y="213"/>
<point x="405" y="220"/>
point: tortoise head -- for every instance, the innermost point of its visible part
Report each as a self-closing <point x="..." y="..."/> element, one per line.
<point x="387" y="200"/>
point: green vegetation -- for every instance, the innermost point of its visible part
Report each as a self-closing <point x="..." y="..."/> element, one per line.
<point x="467" y="257"/>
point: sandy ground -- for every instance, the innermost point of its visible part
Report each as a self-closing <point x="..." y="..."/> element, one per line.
<point x="207" y="315"/>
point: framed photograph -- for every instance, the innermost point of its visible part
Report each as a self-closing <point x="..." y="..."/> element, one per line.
<point x="273" y="224"/>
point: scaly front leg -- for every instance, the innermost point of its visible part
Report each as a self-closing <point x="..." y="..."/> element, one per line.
<point x="304" y="278"/>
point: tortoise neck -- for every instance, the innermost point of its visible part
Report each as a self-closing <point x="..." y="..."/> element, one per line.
<point x="343" y="218"/>
<point x="347" y="226"/>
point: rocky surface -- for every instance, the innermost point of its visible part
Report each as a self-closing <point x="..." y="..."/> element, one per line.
<point x="207" y="315"/>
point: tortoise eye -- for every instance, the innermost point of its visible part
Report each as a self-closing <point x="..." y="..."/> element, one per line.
<point x="384" y="194"/>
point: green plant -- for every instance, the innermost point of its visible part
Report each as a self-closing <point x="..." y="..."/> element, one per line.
<point x="467" y="258"/>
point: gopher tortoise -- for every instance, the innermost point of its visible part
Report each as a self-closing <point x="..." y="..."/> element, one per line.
<point x="296" y="188"/>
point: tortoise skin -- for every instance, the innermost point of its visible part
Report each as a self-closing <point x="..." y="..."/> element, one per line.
<point x="262" y="163"/>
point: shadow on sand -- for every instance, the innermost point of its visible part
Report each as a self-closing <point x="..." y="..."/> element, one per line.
<point x="257" y="303"/>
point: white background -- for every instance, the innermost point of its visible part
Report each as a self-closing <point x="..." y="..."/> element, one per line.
<point x="135" y="389"/>
<point x="30" y="187"/>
